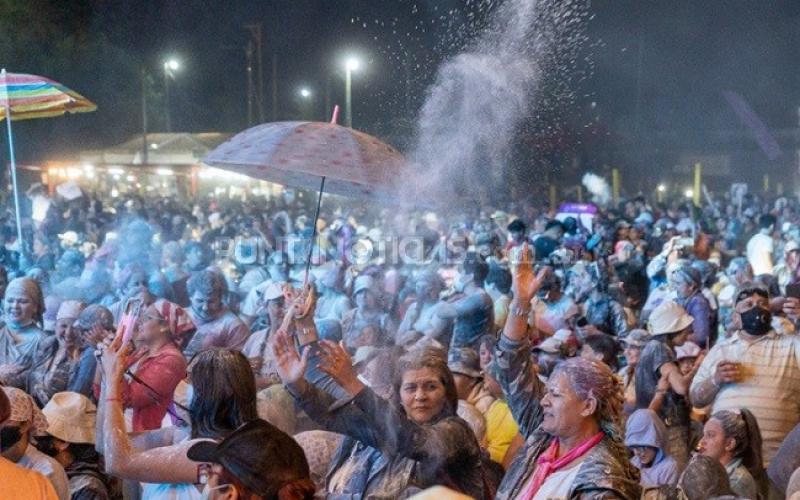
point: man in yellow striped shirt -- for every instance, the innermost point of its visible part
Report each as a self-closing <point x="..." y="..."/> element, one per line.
<point x="756" y="368"/>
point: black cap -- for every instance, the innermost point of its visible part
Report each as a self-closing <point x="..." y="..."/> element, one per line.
<point x="261" y="456"/>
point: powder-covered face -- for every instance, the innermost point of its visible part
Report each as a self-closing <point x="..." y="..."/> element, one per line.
<point x="19" y="305"/>
<point x="422" y="394"/>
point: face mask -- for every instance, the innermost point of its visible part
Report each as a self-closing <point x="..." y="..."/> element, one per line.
<point x="9" y="436"/>
<point x="756" y="321"/>
<point x="207" y="492"/>
<point x="189" y="395"/>
<point x="14" y="325"/>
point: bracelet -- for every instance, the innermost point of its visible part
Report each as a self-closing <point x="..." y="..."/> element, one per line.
<point x="518" y="311"/>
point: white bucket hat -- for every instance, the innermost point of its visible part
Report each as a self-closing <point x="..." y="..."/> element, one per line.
<point x="668" y="318"/>
<point x="71" y="418"/>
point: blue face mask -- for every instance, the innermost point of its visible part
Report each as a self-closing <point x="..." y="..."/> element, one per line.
<point x="189" y="395"/>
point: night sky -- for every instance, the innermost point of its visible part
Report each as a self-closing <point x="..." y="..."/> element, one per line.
<point x="648" y="65"/>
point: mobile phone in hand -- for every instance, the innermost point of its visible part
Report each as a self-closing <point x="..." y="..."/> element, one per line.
<point x="793" y="290"/>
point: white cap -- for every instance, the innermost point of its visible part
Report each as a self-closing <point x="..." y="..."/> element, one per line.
<point x="667" y="318"/>
<point x="687" y="350"/>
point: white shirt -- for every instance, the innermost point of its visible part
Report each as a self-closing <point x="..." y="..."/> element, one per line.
<point x="34" y="459"/>
<point x="558" y="484"/>
<point x="759" y="253"/>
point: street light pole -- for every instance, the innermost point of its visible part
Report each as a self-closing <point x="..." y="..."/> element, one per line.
<point x="144" y="116"/>
<point x="348" y="98"/>
<point x="351" y="65"/>
<point x="169" y="66"/>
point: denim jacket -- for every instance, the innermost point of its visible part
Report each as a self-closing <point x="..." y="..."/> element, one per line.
<point x="385" y="454"/>
<point x="602" y="475"/>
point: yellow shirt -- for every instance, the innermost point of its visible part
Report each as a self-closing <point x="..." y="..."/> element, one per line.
<point x="500" y="430"/>
<point x="23" y="484"/>
<point x="501" y="306"/>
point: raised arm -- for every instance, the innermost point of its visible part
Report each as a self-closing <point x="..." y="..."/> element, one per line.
<point x="522" y="387"/>
<point x="121" y="458"/>
<point x="443" y="448"/>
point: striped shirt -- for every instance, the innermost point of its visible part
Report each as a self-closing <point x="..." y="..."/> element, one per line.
<point x="770" y="385"/>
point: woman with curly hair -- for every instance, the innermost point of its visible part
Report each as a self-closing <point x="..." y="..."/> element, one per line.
<point x="573" y="441"/>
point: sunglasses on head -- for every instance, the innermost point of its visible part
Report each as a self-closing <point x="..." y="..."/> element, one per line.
<point x="748" y="292"/>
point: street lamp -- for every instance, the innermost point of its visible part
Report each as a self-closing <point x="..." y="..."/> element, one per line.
<point x="305" y="92"/>
<point x="660" y="190"/>
<point x="171" y="65"/>
<point x="689" y="193"/>
<point x="351" y="64"/>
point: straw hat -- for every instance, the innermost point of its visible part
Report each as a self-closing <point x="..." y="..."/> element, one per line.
<point x="71" y="417"/>
<point x="668" y="318"/>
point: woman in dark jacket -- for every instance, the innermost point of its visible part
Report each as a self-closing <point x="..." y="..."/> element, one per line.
<point x="394" y="447"/>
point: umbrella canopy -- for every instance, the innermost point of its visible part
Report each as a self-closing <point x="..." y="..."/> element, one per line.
<point x="299" y="154"/>
<point x="24" y="97"/>
<point x="32" y="96"/>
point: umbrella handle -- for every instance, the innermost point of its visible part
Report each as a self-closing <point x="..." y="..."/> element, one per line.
<point x="334" y="119"/>
<point x="13" y="162"/>
<point x="316" y="218"/>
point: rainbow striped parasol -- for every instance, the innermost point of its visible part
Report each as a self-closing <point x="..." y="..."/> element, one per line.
<point x="25" y="97"/>
<point x="33" y="96"/>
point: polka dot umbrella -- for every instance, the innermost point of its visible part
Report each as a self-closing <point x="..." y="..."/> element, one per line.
<point x="315" y="155"/>
<point x="301" y="154"/>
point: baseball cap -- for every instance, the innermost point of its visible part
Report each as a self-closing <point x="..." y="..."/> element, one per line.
<point x="363" y="282"/>
<point x="464" y="361"/>
<point x="550" y="345"/>
<point x="261" y="456"/>
<point x="636" y="338"/>
<point x="687" y="350"/>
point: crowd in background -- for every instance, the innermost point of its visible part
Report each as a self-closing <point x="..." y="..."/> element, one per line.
<point x="155" y="349"/>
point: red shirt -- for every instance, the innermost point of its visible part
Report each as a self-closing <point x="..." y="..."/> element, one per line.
<point x="162" y="373"/>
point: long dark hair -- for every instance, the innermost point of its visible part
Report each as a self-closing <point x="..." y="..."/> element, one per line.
<point x="432" y="358"/>
<point x="742" y="426"/>
<point x="224" y="393"/>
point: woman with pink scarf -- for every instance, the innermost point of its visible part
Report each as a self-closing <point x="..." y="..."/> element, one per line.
<point x="159" y="364"/>
<point x="573" y="440"/>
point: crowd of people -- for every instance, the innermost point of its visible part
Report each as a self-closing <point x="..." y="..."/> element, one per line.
<point x="234" y="349"/>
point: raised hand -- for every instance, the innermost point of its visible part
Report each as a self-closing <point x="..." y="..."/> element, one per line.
<point x="336" y="362"/>
<point x="114" y="359"/>
<point x="291" y="367"/>
<point x="524" y="283"/>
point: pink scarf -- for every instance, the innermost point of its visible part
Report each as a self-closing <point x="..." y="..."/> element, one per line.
<point x="547" y="463"/>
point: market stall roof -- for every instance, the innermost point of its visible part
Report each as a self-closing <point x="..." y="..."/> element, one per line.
<point x="179" y="148"/>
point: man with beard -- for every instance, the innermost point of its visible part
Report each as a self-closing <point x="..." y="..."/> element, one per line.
<point x="216" y="325"/>
<point x="15" y="481"/>
<point x="755" y="368"/>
